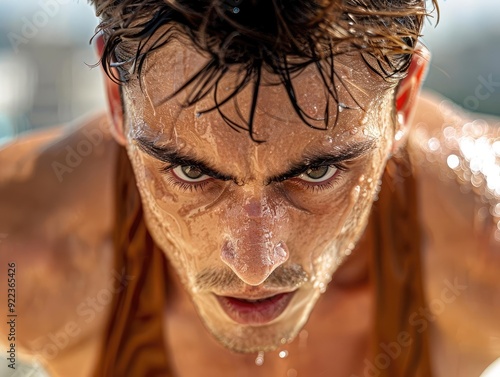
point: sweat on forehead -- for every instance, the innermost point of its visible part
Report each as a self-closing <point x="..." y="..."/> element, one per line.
<point x="360" y="91"/>
<point x="276" y="36"/>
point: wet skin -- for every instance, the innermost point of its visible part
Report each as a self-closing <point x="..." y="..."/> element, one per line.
<point x="241" y="220"/>
<point x="248" y="236"/>
<point x="61" y="236"/>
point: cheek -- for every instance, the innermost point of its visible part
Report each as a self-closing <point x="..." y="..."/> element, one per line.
<point x="325" y="237"/>
<point x="183" y="230"/>
<point x="318" y="228"/>
<point x="367" y="187"/>
<point x="326" y="214"/>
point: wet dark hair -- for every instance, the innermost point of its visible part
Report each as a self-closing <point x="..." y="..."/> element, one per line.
<point x="279" y="36"/>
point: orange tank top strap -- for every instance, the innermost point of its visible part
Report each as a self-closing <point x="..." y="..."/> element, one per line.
<point x="134" y="343"/>
<point x="400" y="344"/>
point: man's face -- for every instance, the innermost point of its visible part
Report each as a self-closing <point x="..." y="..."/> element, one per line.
<point x="255" y="231"/>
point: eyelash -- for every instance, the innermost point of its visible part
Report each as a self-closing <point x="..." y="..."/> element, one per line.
<point x="184" y="186"/>
<point x="342" y="167"/>
<point x="190" y="187"/>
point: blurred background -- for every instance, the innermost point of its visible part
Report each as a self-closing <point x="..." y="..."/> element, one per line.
<point x="45" y="78"/>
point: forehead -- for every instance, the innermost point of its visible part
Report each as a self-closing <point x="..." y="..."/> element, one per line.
<point x="361" y="95"/>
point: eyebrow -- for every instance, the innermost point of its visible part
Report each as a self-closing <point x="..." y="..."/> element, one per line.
<point x="174" y="157"/>
<point x="341" y="154"/>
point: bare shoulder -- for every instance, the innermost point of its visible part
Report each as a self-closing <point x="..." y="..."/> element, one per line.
<point x="60" y="173"/>
<point x="44" y="167"/>
<point x="56" y="217"/>
<point x="456" y="158"/>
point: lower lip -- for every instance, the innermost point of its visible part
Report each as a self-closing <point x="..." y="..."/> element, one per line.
<point x="255" y="313"/>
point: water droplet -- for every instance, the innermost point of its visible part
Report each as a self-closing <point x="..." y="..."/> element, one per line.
<point x="279" y="250"/>
<point x="399" y="135"/>
<point x="283" y="340"/>
<point x="433" y="144"/>
<point x="497" y="235"/>
<point x="303" y="336"/>
<point x="453" y="161"/>
<point x="321" y="286"/>
<point x="496" y="210"/>
<point x="449" y="132"/>
<point x="283" y="354"/>
<point x="291" y="373"/>
<point x="236" y="10"/>
<point x="476" y="180"/>
<point x="259" y="360"/>
<point x="401" y="119"/>
<point x="482" y="214"/>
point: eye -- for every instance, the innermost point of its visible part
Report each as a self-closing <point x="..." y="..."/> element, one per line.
<point x="190" y="174"/>
<point x="318" y="174"/>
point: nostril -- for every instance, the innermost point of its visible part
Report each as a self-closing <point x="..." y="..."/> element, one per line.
<point x="280" y="250"/>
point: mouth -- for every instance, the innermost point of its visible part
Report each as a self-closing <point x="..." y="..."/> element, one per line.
<point x="255" y="311"/>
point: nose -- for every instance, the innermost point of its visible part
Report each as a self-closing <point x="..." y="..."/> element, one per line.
<point x="253" y="262"/>
<point x="253" y="247"/>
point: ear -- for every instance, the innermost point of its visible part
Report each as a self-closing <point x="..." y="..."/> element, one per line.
<point x="113" y="96"/>
<point x="407" y="93"/>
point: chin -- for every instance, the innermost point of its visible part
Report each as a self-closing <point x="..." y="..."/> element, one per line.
<point x="249" y="339"/>
<point x="256" y="338"/>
